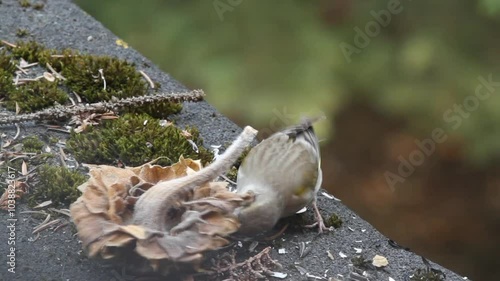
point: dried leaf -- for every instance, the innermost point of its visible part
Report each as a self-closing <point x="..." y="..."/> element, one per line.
<point x="103" y="214"/>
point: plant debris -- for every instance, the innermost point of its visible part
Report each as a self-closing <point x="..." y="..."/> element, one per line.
<point x="166" y="216"/>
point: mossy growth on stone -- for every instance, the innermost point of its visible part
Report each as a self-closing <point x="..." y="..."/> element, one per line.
<point x="6" y="62"/>
<point x="334" y="221"/>
<point x="21" y="32"/>
<point x="94" y="78"/>
<point x="98" y="78"/>
<point x="7" y="68"/>
<point x="31" y="52"/>
<point x="361" y="262"/>
<point x="135" y="139"/>
<point x="25" y="3"/>
<point x="427" y="274"/>
<point x="161" y="109"/>
<point x="6" y="85"/>
<point x="35" y="96"/>
<point x="32" y="144"/>
<point x="58" y="184"/>
<point x="232" y="174"/>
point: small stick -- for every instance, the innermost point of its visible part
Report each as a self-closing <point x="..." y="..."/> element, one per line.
<point x="151" y="84"/>
<point x="9" y="44"/>
<point x="45" y="226"/>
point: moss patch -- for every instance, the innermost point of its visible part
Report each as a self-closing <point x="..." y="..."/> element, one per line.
<point x="361" y="262"/>
<point x="121" y="78"/>
<point x="25" y="3"/>
<point x="160" y="109"/>
<point x="232" y="174"/>
<point x="83" y="73"/>
<point x="334" y="221"/>
<point x="6" y="63"/>
<point x="35" y="96"/>
<point x="32" y="144"/>
<point x="21" y="32"/>
<point x="57" y="184"/>
<point x="425" y="274"/>
<point x="135" y="139"/>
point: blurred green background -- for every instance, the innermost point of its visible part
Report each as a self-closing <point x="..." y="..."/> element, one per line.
<point x="256" y="58"/>
<point x="267" y="63"/>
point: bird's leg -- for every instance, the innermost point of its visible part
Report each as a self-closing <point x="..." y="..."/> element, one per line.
<point x="319" y="219"/>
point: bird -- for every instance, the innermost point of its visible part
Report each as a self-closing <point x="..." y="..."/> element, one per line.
<point x="283" y="173"/>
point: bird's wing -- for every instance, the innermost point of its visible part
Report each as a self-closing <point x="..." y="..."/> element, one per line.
<point x="288" y="162"/>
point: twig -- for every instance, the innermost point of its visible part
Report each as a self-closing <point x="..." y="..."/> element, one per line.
<point x="151" y="84"/>
<point x="62" y="112"/>
<point x="250" y="269"/>
<point x="45" y="226"/>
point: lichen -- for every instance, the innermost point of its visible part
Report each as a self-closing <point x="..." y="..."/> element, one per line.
<point x="32" y="144"/>
<point x="58" y="184"/>
<point x="133" y="140"/>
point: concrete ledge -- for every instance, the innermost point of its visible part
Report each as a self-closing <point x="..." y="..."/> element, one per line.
<point x="58" y="255"/>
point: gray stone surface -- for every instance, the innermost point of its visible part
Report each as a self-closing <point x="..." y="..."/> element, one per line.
<point x="58" y="255"/>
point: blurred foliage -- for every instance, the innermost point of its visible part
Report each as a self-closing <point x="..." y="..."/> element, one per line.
<point x="269" y="62"/>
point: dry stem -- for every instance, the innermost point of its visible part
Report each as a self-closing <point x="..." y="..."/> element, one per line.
<point x="152" y="207"/>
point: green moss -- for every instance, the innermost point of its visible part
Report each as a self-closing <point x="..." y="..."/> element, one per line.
<point x="57" y="184"/>
<point x="25" y="3"/>
<point x="35" y="96"/>
<point x="83" y="77"/>
<point x="7" y="68"/>
<point x="425" y="274"/>
<point x="6" y="84"/>
<point x="232" y="174"/>
<point x="135" y="139"/>
<point x="21" y="32"/>
<point x="38" y="6"/>
<point x="53" y="140"/>
<point x="122" y="79"/>
<point x="30" y="51"/>
<point x="157" y="110"/>
<point x="334" y="221"/>
<point x="41" y="158"/>
<point x="6" y="62"/>
<point x="32" y="144"/>
<point x="361" y="262"/>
